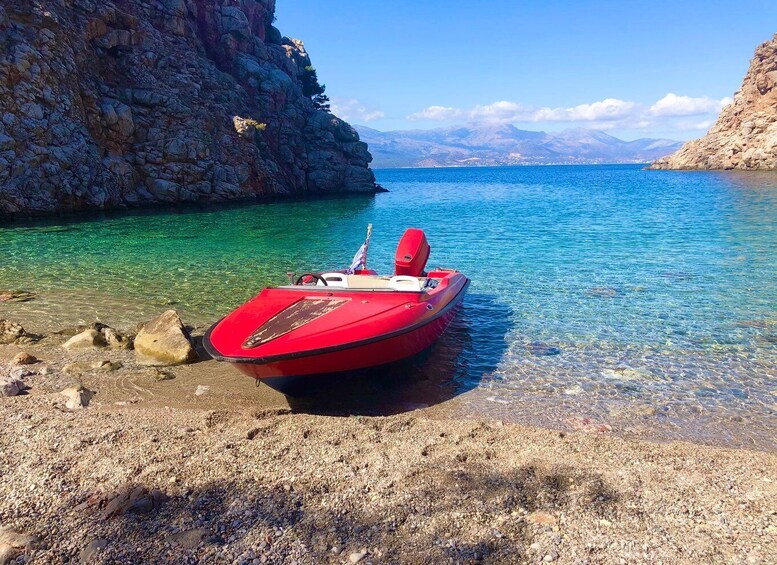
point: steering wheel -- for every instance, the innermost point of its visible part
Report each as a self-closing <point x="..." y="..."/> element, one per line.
<point x="302" y="279"/>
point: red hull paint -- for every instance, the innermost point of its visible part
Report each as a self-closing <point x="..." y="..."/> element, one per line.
<point x="361" y="329"/>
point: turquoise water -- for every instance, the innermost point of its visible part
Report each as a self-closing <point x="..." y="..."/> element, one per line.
<point x="644" y="299"/>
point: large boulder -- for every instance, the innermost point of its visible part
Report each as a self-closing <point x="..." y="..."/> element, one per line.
<point x="165" y="341"/>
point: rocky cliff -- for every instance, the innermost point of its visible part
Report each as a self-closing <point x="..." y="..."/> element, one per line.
<point x="745" y="134"/>
<point x="109" y="104"/>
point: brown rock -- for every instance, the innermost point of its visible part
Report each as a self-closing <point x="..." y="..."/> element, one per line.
<point x="24" y="358"/>
<point x="165" y="341"/>
<point x="542" y="518"/>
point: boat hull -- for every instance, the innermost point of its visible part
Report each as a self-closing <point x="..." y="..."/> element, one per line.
<point x="341" y="331"/>
<point x="374" y="354"/>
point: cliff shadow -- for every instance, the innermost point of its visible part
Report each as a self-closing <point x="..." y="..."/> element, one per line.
<point x="470" y="348"/>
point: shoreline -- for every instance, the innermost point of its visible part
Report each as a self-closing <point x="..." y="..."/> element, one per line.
<point x="189" y="464"/>
<point x="39" y="217"/>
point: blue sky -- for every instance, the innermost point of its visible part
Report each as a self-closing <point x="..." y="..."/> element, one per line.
<point x="633" y="68"/>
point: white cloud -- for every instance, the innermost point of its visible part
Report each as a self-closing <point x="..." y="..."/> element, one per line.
<point x="436" y="113"/>
<point x="350" y="109"/>
<point x="610" y="113"/>
<point x="674" y="105"/>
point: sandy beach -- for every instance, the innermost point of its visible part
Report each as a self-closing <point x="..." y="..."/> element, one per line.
<point x="194" y="464"/>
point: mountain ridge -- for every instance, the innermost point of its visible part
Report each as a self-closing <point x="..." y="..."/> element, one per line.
<point x="505" y="144"/>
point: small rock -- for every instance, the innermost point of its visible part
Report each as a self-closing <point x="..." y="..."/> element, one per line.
<point x="115" y="340"/>
<point x="107" y="365"/>
<point x="89" y="553"/>
<point x="77" y="397"/>
<point x="357" y="556"/>
<point x="24" y="358"/>
<point x="10" y="386"/>
<point x="161" y="375"/>
<point x="11" y="332"/>
<point x="21" y="373"/>
<point x="87" y="338"/>
<point x="133" y="500"/>
<point x="542" y="518"/>
<point x="189" y="539"/>
<point x="75" y="369"/>
<point x="535" y="546"/>
<point x="201" y="389"/>
<point x="550" y="557"/>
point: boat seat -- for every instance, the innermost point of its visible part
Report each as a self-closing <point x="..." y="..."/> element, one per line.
<point x="335" y="280"/>
<point x="405" y="282"/>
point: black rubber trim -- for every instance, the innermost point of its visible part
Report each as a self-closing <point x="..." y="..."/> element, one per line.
<point x="300" y="354"/>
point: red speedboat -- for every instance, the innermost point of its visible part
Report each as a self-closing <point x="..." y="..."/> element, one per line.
<point x="330" y="323"/>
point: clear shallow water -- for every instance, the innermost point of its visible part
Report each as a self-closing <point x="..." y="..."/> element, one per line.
<point x="643" y="299"/>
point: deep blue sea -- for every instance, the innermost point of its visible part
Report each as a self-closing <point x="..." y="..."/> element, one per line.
<point x="644" y="300"/>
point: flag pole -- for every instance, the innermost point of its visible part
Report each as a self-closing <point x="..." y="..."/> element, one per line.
<point x="367" y="243"/>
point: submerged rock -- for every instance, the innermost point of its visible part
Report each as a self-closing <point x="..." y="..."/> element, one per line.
<point x="16" y="296"/>
<point x="165" y="341"/>
<point x="543" y="349"/>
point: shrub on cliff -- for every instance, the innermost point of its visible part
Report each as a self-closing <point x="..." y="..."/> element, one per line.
<point x="313" y="89"/>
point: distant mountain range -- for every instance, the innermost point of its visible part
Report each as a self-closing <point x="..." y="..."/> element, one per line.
<point x="488" y="145"/>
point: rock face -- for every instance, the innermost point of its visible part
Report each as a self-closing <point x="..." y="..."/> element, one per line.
<point x="165" y="341"/>
<point x="111" y="104"/>
<point x="745" y="134"/>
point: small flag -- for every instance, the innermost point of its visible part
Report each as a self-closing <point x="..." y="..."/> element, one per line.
<point x="360" y="259"/>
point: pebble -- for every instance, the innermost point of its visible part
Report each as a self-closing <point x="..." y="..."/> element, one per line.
<point x="201" y="389"/>
<point x="550" y="557"/>
<point x="357" y="556"/>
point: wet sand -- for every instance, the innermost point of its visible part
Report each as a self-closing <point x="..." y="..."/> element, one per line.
<point x="152" y="471"/>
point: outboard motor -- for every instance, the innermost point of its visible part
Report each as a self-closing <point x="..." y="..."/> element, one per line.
<point x="412" y="253"/>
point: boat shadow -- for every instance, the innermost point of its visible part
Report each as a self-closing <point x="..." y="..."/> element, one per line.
<point x="470" y="348"/>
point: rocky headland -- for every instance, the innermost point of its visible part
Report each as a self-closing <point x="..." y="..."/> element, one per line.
<point x="127" y="103"/>
<point x="745" y="134"/>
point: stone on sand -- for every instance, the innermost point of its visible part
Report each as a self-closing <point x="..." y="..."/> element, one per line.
<point x="87" y="338"/>
<point x="78" y="397"/>
<point x="10" y="386"/>
<point x="165" y="341"/>
<point x="24" y="358"/>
